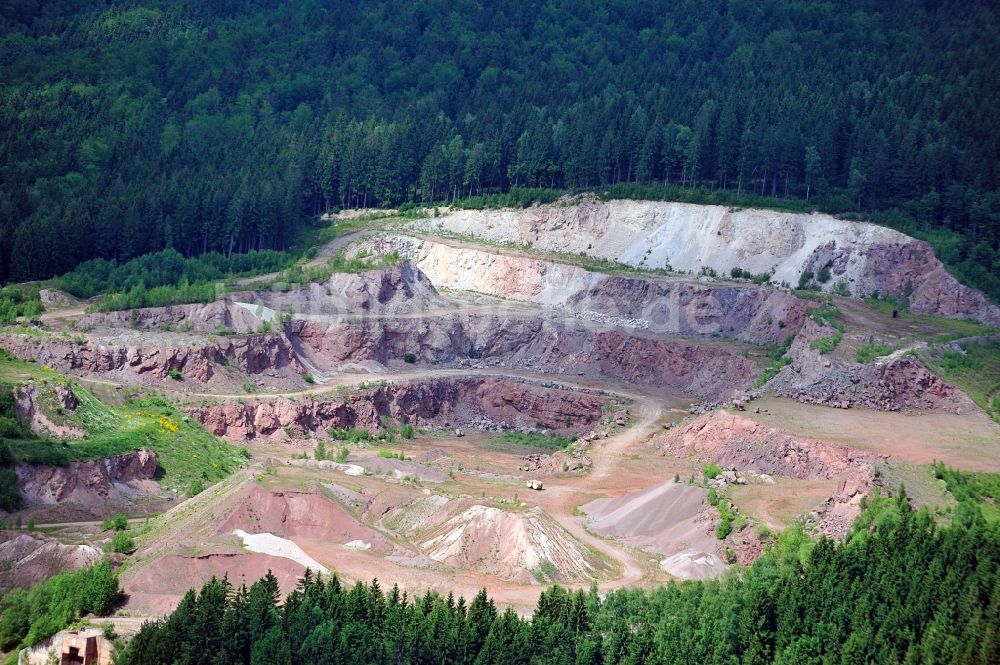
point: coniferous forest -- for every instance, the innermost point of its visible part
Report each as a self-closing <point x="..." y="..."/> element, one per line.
<point x="901" y="590"/>
<point x="130" y="127"/>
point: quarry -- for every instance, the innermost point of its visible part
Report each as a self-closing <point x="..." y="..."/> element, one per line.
<point x="608" y="393"/>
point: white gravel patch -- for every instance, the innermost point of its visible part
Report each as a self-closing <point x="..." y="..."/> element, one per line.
<point x="268" y="543"/>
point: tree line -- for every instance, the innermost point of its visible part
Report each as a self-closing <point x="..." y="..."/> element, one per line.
<point x="901" y="589"/>
<point x="146" y="124"/>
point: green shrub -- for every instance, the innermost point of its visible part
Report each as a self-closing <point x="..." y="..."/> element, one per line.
<point x="308" y="378"/>
<point x="410" y="358"/>
<point x="549" y="439"/>
<point x="17" y="301"/>
<point x="195" y="488"/>
<point x="10" y="493"/>
<point x="118" y="522"/>
<point x="724" y="528"/>
<point x="871" y="350"/>
<point x="388" y="454"/>
<point x="711" y="470"/>
<point x="175" y="374"/>
<point x="406" y="431"/>
<point x="352" y="435"/>
<point x="827" y="344"/>
<point x="28" y="617"/>
<point x="122" y="543"/>
<point x="320" y="452"/>
<point x="342" y="454"/>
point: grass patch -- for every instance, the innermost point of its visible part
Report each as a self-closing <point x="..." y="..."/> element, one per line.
<point x="547" y="440"/>
<point x="871" y="350"/>
<point x="186" y="452"/>
<point x="981" y="489"/>
<point x="351" y="435"/>
<point x="546" y="571"/>
<point x="388" y="454"/>
<point x="779" y="359"/>
<point x="827" y="344"/>
<point x="338" y="263"/>
<point x="975" y="369"/>
<point x="827" y="314"/>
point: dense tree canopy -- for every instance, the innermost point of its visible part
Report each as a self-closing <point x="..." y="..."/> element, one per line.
<point x="132" y="126"/>
<point x="901" y="590"/>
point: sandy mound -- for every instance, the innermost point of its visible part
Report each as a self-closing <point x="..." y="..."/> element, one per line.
<point x="671" y="519"/>
<point x="693" y="565"/>
<point x="26" y="559"/>
<point x="157" y="589"/>
<point x="56" y="299"/>
<point x="424" y="512"/>
<point x="297" y="515"/>
<point x="519" y="546"/>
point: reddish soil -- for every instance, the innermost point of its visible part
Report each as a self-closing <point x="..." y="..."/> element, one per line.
<point x="156" y="590"/>
<point x="296" y="515"/>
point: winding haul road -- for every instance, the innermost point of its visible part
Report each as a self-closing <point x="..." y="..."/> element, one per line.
<point x="560" y="496"/>
<point x="557" y="500"/>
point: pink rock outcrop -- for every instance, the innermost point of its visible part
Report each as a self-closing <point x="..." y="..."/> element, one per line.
<point x="90" y="483"/>
<point x="469" y="402"/>
<point x="197" y="360"/>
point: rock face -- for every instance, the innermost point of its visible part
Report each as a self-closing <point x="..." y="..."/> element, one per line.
<point x="474" y="400"/>
<point x="192" y="357"/>
<point x="93" y="483"/>
<point x="225" y="313"/>
<point x="864" y="258"/>
<point x="28" y="402"/>
<point x="398" y="289"/>
<point x="835" y="516"/>
<point x="746" y="312"/>
<point x="702" y="370"/>
<point x="889" y="384"/>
